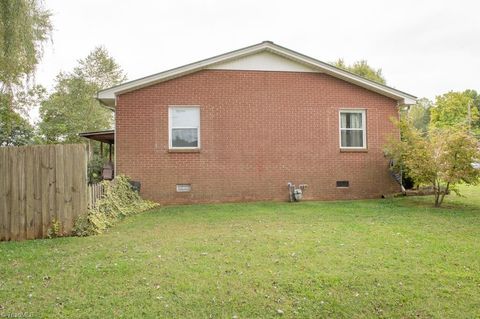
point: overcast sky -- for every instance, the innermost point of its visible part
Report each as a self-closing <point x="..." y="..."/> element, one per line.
<point x="423" y="47"/>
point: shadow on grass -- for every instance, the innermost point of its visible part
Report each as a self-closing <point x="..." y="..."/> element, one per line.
<point x="451" y="204"/>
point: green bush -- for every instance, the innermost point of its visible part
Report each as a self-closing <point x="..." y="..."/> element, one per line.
<point x="118" y="201"/>
<point x="95" y="166"/>
<point x="55" y="229"/>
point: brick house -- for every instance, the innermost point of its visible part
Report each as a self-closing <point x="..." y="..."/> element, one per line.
<point x="241" y="125"/>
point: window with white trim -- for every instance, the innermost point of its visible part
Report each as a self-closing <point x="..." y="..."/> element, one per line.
<point x="184" y="127"/>
<point x="352" y="129"/>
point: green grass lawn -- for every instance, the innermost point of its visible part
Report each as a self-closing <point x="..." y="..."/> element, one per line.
<point x="355" y="259"/>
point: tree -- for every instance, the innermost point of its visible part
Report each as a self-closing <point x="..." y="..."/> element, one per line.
<point x="475" y="96"/>
<point x="14" y="129"/>
<point x="100" y="69"/>
<point x="71" y="108"/>
<point x="451" y="109"/>
<point x="362" y="69"/>
<point x="476" y="104"/>
<point x="419" y="114"/>
<point x="442" y="159"/>
<point x="24" y="28"/>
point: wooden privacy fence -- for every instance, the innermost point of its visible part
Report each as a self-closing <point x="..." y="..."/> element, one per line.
<point x="40" y="184"/>
<point x="95" y="192"/>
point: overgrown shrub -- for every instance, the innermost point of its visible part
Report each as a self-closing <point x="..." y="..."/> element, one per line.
<point x="119" y="201"/>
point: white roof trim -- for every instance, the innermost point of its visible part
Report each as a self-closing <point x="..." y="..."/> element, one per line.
<point x="108" y="96"/>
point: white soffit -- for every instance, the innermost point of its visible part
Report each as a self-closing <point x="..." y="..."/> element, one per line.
<point x="263" y="61"/>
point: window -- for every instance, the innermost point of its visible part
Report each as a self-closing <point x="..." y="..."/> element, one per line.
<point x="352" y="129"/>
<point x="184" y="127"/>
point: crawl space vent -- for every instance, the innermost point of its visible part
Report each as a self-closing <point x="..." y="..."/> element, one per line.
<point x="184" y="188"/>
<point x="342" y="184"/>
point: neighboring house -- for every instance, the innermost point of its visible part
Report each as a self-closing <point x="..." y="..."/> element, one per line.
<point x="241" y="125"/>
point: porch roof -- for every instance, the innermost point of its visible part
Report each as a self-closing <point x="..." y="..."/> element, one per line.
<point x="107" y="136"/>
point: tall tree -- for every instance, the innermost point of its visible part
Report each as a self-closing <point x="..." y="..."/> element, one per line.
<point x="419" y="114"/>
<point x="71" y="108"/>
<point x="452" y="109"/>
<point x="475" y="96"/>
<point x="362" y="69"/>
<point x="24" y="28"/>
<point x="476" y="104"/>
<point x="14" y="129"/>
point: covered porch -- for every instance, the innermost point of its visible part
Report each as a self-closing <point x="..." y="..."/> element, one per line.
<point x="107" y="141"/>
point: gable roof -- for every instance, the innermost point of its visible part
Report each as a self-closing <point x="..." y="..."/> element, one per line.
<point x="108" y="96"/>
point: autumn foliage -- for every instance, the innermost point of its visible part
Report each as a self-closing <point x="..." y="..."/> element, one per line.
<point x="442" y="159"/>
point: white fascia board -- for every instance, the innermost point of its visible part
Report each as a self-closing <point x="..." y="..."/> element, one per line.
<point x="349" y="77"/>
<point x="108" y="96"/>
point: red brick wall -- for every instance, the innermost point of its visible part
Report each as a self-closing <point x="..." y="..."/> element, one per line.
<point x="259" y="130"/>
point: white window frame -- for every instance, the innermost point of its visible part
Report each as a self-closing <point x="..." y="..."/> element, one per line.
<point x="364" y="128"/>
<point x="170" y="127"/>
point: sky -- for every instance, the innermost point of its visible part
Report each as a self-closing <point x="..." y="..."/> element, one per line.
<point x="423" y="47"/>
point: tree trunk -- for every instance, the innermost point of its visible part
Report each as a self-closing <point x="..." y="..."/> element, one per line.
<point x="443" y="195"/>
<point x="436" y="191"/>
